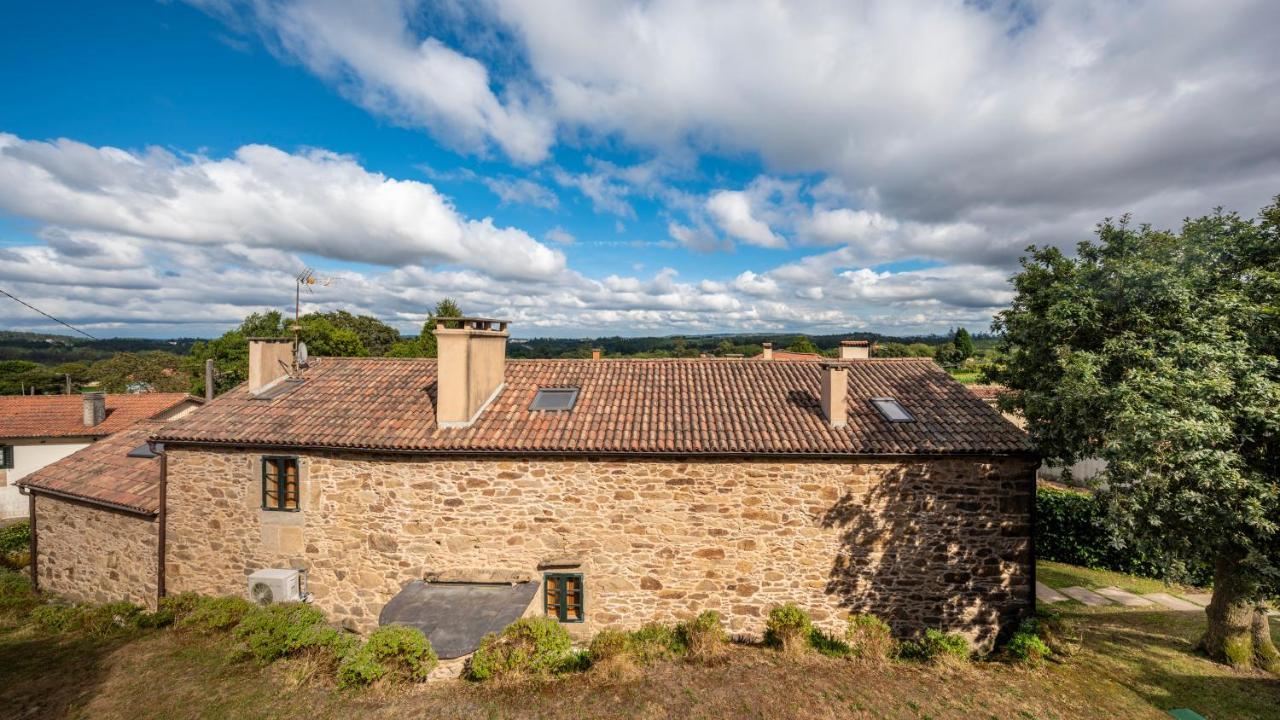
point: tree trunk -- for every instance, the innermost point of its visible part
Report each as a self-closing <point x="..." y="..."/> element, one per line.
<point x="1238" y="633"/>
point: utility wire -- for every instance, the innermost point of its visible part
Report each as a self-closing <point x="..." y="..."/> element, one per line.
<point x="33" y="307"/>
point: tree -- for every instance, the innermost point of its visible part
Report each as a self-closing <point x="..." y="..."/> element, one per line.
<point x="154" y="371"/>
<point x="376" y="337"/>
<point x="963" y="344"/>
<point x="802" y="344"/>
<point x="1157" y="351"/>
<point x="23" y="376"/>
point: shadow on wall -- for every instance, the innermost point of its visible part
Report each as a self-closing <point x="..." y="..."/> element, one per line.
<point x="923" y="551"/>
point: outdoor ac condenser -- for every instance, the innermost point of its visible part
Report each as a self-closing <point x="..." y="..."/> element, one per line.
<point x="278" y="585"/>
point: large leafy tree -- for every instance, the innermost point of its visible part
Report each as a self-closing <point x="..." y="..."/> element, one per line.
<point x="154" y="371"/>
<point x="375" y="336"/>
<point x="1157" y="351"/>
<point x="425" y="344"/>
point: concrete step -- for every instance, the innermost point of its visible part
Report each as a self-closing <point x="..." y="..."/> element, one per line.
<point x="1086" y="596"/>
<point x="1046" y="594"/>
<point x="1124" y="597"/>
<point x="1172" y="603"/>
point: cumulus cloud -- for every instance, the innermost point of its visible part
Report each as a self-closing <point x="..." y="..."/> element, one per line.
<point x="312" y="201"/>
<point x="731" y="210"/>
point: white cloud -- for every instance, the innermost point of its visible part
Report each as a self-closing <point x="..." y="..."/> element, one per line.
<point x="522" y="191"/>
<point x="313" y="201"/>
<point x="558" y="234"/>
<point x="731" y="210"/>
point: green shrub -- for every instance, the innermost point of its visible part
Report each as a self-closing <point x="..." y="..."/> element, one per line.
<point x="213" y="614"/>
<point x="828" y="645"/>
<point x="609" y="644"/>
<point x="788" y="629"/>
<point x="276" y="631"/>
<point x="869" y="638"/>
<point x="1072" y="527"/>
<point x="394" y="653"/>
<point x="936" y="645"/>
<point x="1026" y="646"/>
<point x="58" y="618"/>
<point x="17" y="597"/>
<point x="529" y="646"/>
<point x="655" y="641"/>
<point x="15" y="538"/>
<point x="703" y="637"/>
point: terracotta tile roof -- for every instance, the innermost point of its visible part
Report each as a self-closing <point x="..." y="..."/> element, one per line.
<point x="988" y="393"/>
<point x="104" y="472"/>
<point x="625" y="406"/>
<point x="36" y="416"/>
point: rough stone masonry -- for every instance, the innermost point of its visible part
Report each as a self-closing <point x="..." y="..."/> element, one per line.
<point x="922" y="542"/>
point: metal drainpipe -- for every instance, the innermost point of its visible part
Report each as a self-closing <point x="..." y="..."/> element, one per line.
<point x="161" y="519"/>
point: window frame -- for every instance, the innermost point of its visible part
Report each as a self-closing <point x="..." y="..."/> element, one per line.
<point x="7" y="460"/>
<point x="562" y="605"/>
<point x="569" y="390"/>
<point x="281" y="486"/>
<point x="875" y="403"/>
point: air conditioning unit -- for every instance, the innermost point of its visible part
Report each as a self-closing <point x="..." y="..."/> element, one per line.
<point x="278" y="585"/>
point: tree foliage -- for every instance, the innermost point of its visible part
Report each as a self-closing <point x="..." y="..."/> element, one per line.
<point x="1157" y="351"/>
<point x="425" y="344"/>
<point x="803" y="344"/>
<point x="154" y="371"/>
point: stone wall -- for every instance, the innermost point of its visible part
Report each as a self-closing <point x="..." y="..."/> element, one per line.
<point x="91" y="554"/>
<point x="929" y="543"/>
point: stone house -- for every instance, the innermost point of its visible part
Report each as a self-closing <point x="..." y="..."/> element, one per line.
<point x="607" y="493"/>
<point x="36" y="430"/>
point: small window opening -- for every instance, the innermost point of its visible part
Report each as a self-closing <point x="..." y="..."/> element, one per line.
<point x="562" y="596"/>
<point x="280" y="484"/>
<point x="6" y="457"/>
<point x="554" y="399"/>
<point x="892" y="410"/>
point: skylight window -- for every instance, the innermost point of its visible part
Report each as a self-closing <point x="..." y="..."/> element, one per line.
<point x="892" y="410"/>
<point x="555" y="399"/>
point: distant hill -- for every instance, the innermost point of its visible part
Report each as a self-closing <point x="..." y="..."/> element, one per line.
<point x="52" y="349"/>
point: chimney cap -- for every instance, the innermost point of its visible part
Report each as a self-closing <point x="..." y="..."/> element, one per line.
<point x="833" y="365"/>
<point x="470" y="324"/>
<point x="855" y="343"/>
<point x="270" y="339"/>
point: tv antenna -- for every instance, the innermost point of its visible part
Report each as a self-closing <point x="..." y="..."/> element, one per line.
<point x="307" y="278"/>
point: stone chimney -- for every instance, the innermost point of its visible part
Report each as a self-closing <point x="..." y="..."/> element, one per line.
<point x="768" y="351"/>
<point x="595" y="353"/>
<point x="470" y="367"/>
<point x="855" y="349"/>
<point x="270" y="360"/>
<point x="835" y="388"/>
<point x="95" y="408"/>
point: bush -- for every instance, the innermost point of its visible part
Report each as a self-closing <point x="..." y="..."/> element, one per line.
<point x="788" y="628"/>
<point x="1026" y="645"/>
<point x="394" y="653"/>
<point x="58" y="618"/>
<point x="828" y="645"/>
<point x="529" y="646"/>
<point x="655" y="641"/>
<point x="936" y="645"/>
<point x="210" y="614"/>
<point x="609" y="644"/>
<point x="277" y="631"/>
<point x="17" y="597"/>
<point x="869" y="638"/>
<point x="15" y="538"/>
<point x="703" y="637"/>
<point x="95" y="620"/>
<point x="1071" y="527"/>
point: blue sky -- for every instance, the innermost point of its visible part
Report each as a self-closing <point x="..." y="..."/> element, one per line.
<point x="605" y="167"/>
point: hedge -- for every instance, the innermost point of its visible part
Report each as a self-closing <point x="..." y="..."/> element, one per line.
<point x="1071" y="527"/>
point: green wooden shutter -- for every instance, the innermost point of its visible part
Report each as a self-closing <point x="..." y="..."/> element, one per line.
<point x="6" y="460"/>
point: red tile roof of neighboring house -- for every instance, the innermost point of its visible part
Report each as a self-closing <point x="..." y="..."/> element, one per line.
<point x="671" y="407"/>
<point x="103" y="473"/>
<point x="45" y="416"/>
<point x="989" y="393"/>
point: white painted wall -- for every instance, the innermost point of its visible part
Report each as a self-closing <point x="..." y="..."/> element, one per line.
<point x="29" y="456"/>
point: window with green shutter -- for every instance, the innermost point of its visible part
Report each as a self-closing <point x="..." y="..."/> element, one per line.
<point x="280" y="483"/>
<point x="562" y="596"/>
<point x="6" y="457"/>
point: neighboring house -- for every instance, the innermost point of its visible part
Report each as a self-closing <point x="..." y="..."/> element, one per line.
<point x="1081" y="472"/>
<point x="36" y="430"/>
<point x="604" y="493"/>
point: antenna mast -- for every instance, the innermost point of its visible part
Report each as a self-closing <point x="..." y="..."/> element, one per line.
<point x="306" y="278"/>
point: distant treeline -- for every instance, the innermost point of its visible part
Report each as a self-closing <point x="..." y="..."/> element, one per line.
<point x="46" y="363"/>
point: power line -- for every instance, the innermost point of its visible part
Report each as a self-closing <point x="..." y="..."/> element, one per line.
<point x="33" y="307"/>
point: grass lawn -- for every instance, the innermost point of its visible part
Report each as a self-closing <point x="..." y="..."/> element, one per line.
<point x="968" y="377"/>
<point x="1130" y="664"/>
<point x="1060" y="575"/>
